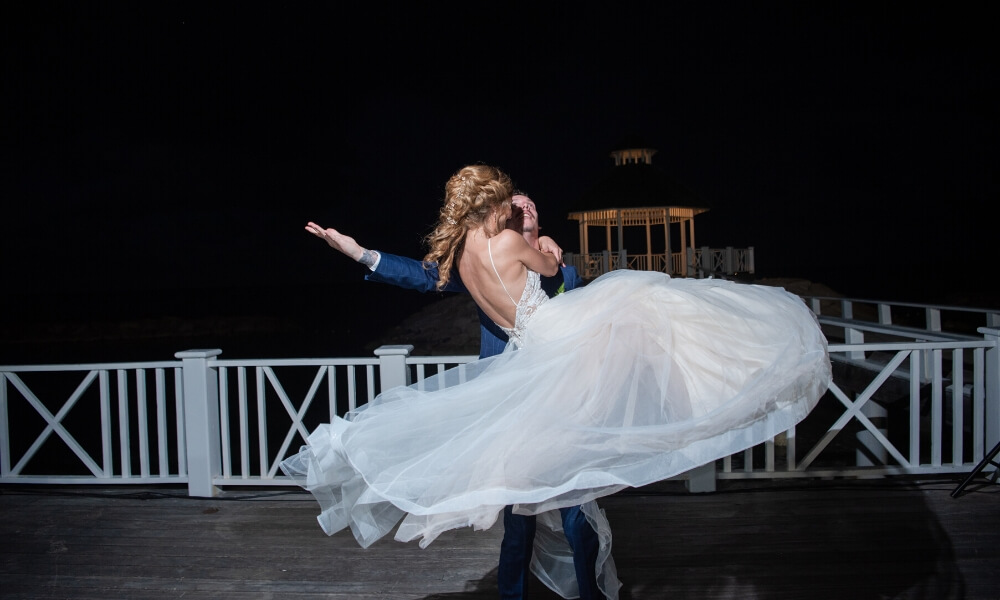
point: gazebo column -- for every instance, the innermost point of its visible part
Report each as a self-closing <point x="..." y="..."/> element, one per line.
<point x="691" y="243"/>
<point x="686" y="249"/>
<point x="649" y="246"/>
<point x="621" y="237"/>
<point x="666" y="252"/>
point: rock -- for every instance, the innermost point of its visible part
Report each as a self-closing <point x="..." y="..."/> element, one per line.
<point x="446" y="327"/>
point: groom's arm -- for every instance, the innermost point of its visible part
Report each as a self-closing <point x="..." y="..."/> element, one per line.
<point x="423" y="277"/>
<point x="388" y="268"/>
<point x="410" y="274"/>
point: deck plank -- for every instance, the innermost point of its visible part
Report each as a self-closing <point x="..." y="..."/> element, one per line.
<point x="768" y="540"/>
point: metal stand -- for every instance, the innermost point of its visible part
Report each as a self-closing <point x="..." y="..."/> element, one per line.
<point x="987" y="460"/>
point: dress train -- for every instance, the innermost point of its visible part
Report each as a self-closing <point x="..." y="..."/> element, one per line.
<point x="632" y="379"/>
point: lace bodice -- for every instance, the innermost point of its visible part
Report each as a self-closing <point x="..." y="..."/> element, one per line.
<point x="531" y="299"/>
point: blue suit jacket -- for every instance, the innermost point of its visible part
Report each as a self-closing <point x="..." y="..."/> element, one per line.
<point x="416" y="275"/>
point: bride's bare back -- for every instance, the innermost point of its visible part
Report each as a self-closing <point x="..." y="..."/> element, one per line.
<point x="512" y="257"/>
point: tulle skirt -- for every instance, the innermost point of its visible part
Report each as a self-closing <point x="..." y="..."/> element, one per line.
<point x="634" y="378"/>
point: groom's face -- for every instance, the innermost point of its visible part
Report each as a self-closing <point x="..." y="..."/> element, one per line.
<point x="516" y="220"/>
<point x="529" y="217"/>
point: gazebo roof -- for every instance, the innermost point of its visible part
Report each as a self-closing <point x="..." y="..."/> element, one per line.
<point x="638" y="185"/>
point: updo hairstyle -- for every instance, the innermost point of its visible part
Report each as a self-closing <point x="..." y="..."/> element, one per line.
<point x="470" y="197"/>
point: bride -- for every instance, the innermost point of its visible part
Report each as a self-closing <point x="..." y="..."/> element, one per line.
<point x="634" y="378"/>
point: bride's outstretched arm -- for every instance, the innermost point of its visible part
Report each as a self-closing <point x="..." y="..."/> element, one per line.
<point x="344" y="244"/>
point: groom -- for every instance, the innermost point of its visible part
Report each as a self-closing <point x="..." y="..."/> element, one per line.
<point x="412" y="274"/>
<point x="513" y="571"/>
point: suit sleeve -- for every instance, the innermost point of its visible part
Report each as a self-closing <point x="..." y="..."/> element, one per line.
<point x="411" y="274"/>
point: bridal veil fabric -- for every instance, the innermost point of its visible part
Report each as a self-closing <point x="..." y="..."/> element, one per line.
<point x="634" y="378"/>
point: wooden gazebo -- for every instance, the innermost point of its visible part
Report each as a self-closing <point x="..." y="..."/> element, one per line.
<point x="646" y="216"/>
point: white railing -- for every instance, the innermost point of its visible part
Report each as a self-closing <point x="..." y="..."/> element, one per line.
<point x="707" y="261"/>
<point x="910" y="406"/>
<point x="202" y="421"/>
<point x="646" y="262"/>
<point x="265" y="404"/>
<point x="940" y="391"/>
<point x="926" y="317"/>
<point x="117" y="423"/>
<point x="596" y="264"/>
<point x="698" y="262"/>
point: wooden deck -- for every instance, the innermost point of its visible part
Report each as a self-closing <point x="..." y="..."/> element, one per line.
<point x="856" y="539"/>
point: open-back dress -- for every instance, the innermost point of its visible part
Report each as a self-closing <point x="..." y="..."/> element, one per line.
<point x="631" y="379"/>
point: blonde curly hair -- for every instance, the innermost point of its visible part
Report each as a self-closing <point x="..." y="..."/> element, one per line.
<point x="470" y="196"/>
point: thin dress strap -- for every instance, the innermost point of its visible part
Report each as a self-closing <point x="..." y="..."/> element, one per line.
<point x="489" y="248"/>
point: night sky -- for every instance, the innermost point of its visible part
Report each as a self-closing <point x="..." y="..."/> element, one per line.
<point x="184" y="148"/>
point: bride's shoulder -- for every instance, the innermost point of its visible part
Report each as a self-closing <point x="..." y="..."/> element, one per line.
<point x="507" y="241"/>
<point x="508" y="236"/>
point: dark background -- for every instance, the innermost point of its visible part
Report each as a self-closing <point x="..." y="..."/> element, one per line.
<point x="160" y="160"/>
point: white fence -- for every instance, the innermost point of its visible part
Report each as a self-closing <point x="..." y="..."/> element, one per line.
<point x="906" y="400"/>
<point x="201" y="420"/>
<point x="697" y="262"/>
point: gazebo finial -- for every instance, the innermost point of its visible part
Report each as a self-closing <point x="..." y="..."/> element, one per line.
<point x="633" y="156"/>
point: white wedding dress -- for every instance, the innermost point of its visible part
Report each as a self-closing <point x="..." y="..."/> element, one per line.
<point x="632" y="379"/>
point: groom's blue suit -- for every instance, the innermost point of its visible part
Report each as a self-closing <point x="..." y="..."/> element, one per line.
<point x="519" y="530"/>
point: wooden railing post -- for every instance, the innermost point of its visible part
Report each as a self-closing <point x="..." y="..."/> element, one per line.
<point x="570" y="259"/>
<point x="201" y="420"/>
<point x="885" y="313"/>
<point x="392" y="371"/>
<point x="852" y="335"/>
<point x="701" y="479"/>
<point x="871" y="452"/>
<point x="705" y="261"/>
<point x="992" y="386"/>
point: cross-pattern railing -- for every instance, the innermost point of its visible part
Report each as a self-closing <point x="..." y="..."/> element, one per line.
<point x="944" y="416"/>
<point x="118" y="423"/>
<point x="905" y="317"/>
<point x="707" y="261"/>
<point x="925" y="404"/>
<point x="696" y="262"/>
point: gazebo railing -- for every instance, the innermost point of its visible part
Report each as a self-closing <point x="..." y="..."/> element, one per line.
<point x="647" y="262"/>
<point x="707" y="261"/>
<point x="690" y="262"/>
<point x="595" y="264"/>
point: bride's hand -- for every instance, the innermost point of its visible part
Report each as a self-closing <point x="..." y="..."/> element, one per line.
<point x="547" y="244"/>
<point x="336" y="240"/>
